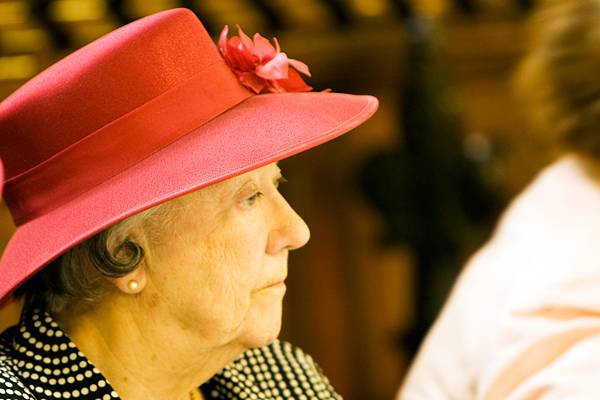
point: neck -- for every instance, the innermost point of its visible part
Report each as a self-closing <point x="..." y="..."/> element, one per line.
<point x="141" y="357"/>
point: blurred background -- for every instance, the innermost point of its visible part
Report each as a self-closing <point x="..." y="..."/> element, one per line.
<point x="396" y="207"/>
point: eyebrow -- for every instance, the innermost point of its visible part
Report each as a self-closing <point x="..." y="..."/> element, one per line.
<point x="243" y="184"/>
<point x="279" y="178"/>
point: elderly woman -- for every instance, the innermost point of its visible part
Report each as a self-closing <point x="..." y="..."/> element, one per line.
<point x="152" y="242"/>
<point x="523" y="321"/>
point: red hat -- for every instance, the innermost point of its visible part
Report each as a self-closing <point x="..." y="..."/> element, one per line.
<point x="144" y="114"/>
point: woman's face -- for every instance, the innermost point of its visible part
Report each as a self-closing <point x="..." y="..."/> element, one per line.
<point x="219" y="271"/>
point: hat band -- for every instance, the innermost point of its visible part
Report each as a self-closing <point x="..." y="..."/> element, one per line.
<point x="123" y="143"/>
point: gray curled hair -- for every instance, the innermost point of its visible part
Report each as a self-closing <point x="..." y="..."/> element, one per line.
<point x="81" y="275"/>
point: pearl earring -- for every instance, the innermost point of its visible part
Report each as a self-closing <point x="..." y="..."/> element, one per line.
<point x="133" y="285"/>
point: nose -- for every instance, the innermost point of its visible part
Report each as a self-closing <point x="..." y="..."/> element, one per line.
<point x="289" y="232"/>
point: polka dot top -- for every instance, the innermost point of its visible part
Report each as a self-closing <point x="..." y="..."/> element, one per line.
<point x="38" y="361"/>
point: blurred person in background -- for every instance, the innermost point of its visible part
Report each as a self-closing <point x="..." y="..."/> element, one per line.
<point x="152" y="241"/>
<point x="523" y="320"/>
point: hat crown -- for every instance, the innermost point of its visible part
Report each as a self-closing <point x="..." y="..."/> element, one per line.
<point x="100" y="83"/>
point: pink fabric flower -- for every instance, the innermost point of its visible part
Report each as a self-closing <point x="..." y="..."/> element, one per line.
<point x="260" y="66"/>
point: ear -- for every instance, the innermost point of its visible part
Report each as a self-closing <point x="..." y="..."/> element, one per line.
<point x="132" y="283"/>
<point x="135" y="281"/>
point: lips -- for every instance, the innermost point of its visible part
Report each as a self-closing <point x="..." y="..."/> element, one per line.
<point x="275" y="282"/>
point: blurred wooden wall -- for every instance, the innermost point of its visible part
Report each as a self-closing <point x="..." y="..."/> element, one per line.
<point x="349" y="298"/>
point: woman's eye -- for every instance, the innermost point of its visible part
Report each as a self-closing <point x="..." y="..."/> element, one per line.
<point x="252" y="199"/>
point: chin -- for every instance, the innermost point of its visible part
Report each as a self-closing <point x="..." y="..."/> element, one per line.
<point x="263" y="339"/>
<point x="263" y="326"/>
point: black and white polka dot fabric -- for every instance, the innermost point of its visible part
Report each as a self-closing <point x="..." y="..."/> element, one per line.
<point x="38" y="361"/>
<point x="277" y="372"/>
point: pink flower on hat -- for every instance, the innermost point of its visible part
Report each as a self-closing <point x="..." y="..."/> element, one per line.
<point x="260" y="66"/>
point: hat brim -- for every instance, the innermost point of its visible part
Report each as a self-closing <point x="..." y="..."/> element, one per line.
<point x="260" y="130"/>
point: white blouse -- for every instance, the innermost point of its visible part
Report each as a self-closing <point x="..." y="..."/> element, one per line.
<point x="523" y="321"/>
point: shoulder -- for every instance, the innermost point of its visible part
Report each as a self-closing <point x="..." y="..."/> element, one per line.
<point x="563" y="195"/>
<point x="559" y="366"/>
<point x="295" y="364"/>
<point x="279" y="370"/>
<point x="11" y="387"/>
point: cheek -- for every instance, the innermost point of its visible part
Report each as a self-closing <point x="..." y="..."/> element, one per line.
<point x="214" y="283"/>
<point x="207" y="279"/>
<point x="237" y="268"/>
<point x="241" y="251"/>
